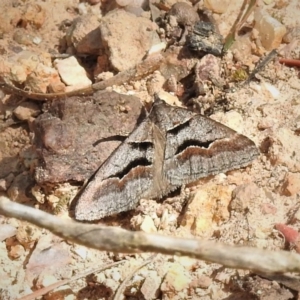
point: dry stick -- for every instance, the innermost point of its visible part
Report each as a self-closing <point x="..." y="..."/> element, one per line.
<point x="146" y="67"/>
<point x="124" y="241"/>
<point x="55" y="285"/>
<point x="122" y="286"/>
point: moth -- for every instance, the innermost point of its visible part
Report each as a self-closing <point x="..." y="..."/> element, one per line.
<point x="171" y="147"/>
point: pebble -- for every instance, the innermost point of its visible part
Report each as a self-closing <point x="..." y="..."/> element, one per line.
<point x="291" y="184"/>
<point x="271" y="31"/>
<point x="148" y="225"/>
<point x="26" y="110"/>
<point x="71" y="72"/>
<point x="150" y="287"/>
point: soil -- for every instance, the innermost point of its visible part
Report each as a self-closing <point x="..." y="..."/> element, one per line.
<point x="252" y="206"/>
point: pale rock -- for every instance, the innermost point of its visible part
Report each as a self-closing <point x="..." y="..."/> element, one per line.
<point x="150" y="287"/>
<point x="176" y="280"/>
<point x="291" y="184"/>
<point x="46" y="280"/>
<point x="232" y="119"/>
<point x="6" y="182"/>
<point x="155" y="83"/>
<point x="208" y="208"/>
<point x="71" y="72"/>
<point x="187" y="262"/>
<point x="244" y="196"/>
<point x="7" y="231"/>
<point x="148" y="225"/>
<point x="17" y="190"/>
<point x="26" y="110"/>
<point x="33" y="69"/>
<point x="284" y="149"/>
<point x="81" y="251"/>
<point x="137" y="34"/>
<point x="116" y="276"/>
<point x="271" y="31"/>
<point x="39" y="80"/>
<point x="84" y="34"/>
<point x="16" y="251"/>
<point x="169" y="98"/>
<point x="202" y="281"/>
<point x="217" y="6"/>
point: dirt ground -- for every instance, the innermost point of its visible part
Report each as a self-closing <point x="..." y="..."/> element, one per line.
<point x="255" y="206"/>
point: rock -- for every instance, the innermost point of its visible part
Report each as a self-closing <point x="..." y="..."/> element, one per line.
<point x="27" y="235"/>
<point x="217" y="6"/>
<point x="291" y="184"/>
<point x="18" y="191"/>
<point x="31" y="69"/>
<point x="71" y="144"/>
<point x="47" y="255"/>
<point x="84" y="34"/>
<point x="6" y="182"/>
<point x="176" y="280"/>
<point x="72" y="73"/>
<point x="202" y="281"/>
<point x="139" y="34"/>
<point x="207" y="209"/>
<point x="7" y="231"/>
<point x="148" y="225"/>
<point x="39" y="80"/>
<point x="270" y="30"/>
<point x="244" y="196"/>
<point x="184" y="14"/>
<point x="283" y="149"/>
<point x="155" y="83"/>
<point x="34" y="16"/>
<point x="178" y="63"/>
<point x="16" y="251"/>
<point x="26" y="110"/>
<point x="150" y="287"/>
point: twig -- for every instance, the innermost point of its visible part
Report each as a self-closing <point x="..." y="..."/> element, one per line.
<point x="55" y="285"/>
<point x="122" y="286"/>
<point x="146" y="67"/>
<point x="120" y="240"/>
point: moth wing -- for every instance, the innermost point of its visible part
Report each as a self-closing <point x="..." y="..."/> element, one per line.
<point x="121" y="180"/>
<point x="203" y="147"/>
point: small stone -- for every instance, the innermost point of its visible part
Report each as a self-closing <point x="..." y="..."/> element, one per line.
<point x="7" y="231"/>
<point x="216" y="6"/>
<point x="271" y="31"/>
<point x="17" y="190"/>
<point x="148" y="225"/>
<point x="16" y="251"/>
<point x="176" y="280"/>
<point x="71" y="72"/>
<point x="139" y="33"/>
<point x="202" y="281"/>
<point x="150" y="288"/>
<point x="6" y="182"/>
<point x="27" y="235"/>
<point x="46" y="280"/>
<point x="243" y="196"/>
<point x="291" y="184"/>
<point x="84" y="34"/>
<point x="26" y="110"/>
<point x="208" y="208"/>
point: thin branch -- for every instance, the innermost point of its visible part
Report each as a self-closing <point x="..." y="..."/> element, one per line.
<point x="124" y="241"/>
<point x="144" y="68"/>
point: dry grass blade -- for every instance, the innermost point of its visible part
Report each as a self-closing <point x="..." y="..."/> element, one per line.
<point x="122" y="286"/>
<point x="119" y="240"/>
<point x="241" y="19"/>
<point x="55" y="285"/>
